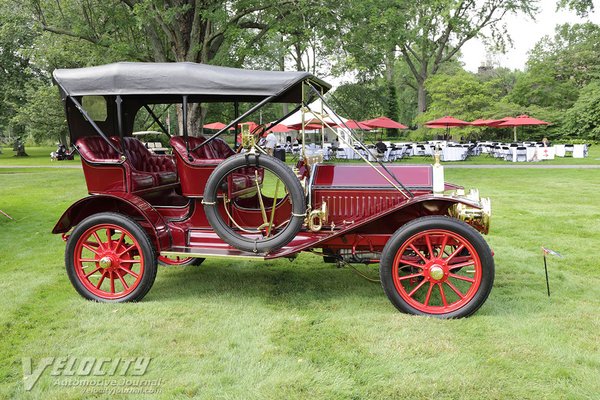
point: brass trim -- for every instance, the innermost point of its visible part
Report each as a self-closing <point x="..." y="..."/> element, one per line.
<point x="471" y="215"/>
<point x="317" y="218"/>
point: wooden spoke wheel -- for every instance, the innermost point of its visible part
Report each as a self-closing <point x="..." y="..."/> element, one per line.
<point x="110" y="258"/>
<point x="437" y="266"/>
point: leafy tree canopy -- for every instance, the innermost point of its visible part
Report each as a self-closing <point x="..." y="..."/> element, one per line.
<point x="583" y="119"/>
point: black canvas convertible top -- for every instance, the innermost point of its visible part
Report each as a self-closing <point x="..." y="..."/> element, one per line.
<point x="206" y="82"/>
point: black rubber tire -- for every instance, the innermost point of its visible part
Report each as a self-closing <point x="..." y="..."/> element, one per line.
<point x="192" y="261"/>
<point x="150" y="264"/>
<point x="283" y="172"/>
<point x="437" y="222"/>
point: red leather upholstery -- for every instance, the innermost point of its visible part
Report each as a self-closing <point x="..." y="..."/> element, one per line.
<point x="161" y="169"/>
<point x="216" y="150"/>
<point x="96" y="149"/>
<point x="213" y="153"/>
<point x="140" y="180"/>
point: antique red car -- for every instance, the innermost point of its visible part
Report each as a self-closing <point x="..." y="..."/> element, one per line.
<point x="209" y="200"/>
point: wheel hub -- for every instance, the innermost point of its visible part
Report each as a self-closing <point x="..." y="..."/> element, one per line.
<point x="436" y="272"/>
<point x="105" y="262"/>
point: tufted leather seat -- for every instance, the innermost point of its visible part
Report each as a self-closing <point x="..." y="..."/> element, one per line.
<point x="96" y="149"/>
<point x="213" y="153"/>
<point x="217" y="149"/>
<point x="160" y="169"/>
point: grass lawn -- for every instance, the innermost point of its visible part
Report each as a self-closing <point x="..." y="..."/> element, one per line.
<point x="281" y="330"/>
<point x="38" y="156"/>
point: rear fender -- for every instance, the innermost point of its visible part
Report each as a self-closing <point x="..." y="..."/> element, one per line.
<point x="125" y="204"/>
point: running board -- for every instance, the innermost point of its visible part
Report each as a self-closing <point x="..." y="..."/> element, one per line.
<point x="195" y="252"/>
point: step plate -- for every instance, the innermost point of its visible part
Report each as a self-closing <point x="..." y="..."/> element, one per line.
<point x="211" y="253"/>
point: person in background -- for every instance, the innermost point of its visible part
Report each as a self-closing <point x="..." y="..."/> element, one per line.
<point x="546" y="142"/>
<point x="381" y="147"/>
<point x="270" y="143"/>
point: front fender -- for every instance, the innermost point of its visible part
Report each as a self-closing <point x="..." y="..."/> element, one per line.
<point x="390" y="220"/>
<point x="126" y="204"/>
<point x="385" y="223"/>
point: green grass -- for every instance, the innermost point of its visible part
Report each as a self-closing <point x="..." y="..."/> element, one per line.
<point x="281" y="330"/>
<point x="38" y="156"/>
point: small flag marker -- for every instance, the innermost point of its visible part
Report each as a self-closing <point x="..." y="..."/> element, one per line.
<point x="546" y="250"/>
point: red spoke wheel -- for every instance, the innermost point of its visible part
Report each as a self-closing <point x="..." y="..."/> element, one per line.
<point x="110" y="258"/>
<point x="437" y="266"/>
<point x="169" y="261"/>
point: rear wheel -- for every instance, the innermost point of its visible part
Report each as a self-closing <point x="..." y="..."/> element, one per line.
<point x="110" y="258"/>
<point x="169" y="261"/>
<point x="437" y="266"/>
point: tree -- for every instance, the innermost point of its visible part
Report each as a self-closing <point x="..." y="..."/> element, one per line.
<point x="581" y="7"/>
<point x="16" y="40"/>
<point x="559" y="66"/>
<point x="583" y="119"/>
<point x="462" y="95"/>
<point x="572" y="54"/>
<point x="43" y="115"/>
<point x="362" y="100"/>
<point x="161" y="30"/>
<point x="425" y="34"/>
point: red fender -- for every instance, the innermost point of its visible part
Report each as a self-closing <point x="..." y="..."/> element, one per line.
<point x="382" y="225"/>
<point x="126" y="204"/>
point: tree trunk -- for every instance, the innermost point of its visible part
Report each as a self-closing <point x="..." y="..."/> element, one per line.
<point x="281" y="62"/>
<point x="392" y="95"/>
<point x="421" y="97"/>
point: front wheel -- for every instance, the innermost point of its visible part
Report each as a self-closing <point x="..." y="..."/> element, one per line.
<point x="109" y="258"/>
<point x="437" y="266"/>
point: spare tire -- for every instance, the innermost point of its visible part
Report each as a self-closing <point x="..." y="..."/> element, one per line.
<point x="234" y="237"/>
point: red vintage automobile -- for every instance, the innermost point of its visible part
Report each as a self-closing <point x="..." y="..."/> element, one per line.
<point x="209" y="200"/>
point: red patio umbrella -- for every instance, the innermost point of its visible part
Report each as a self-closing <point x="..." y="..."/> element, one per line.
<point x="308" y="127"/>
<point x="280" y="128"/>
<point x="483" y="122"/>
<point x="352" y="124"/>
<point x="215" y="125"/>
<point x="521" y="120"/>
<point x="494" y="123"/>
<point x="446" y="122"/>
<point x="384" y="122"/>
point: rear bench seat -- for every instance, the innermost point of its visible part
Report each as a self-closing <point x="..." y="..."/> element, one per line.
<point x="213" y="153"/>
<point x="146" y="166"/>
<point x="147" y="169"/>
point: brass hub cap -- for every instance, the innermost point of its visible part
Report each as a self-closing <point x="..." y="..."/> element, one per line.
<point x="105" y="262"/>
<point x="436" y="272"/>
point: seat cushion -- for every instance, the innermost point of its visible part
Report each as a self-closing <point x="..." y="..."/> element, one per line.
<point x="141" y="180"/>
<point x="160" y="168"/>
<point x="166" y="177"/>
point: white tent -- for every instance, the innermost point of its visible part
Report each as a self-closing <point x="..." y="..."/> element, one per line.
<point x="318" y="111"/>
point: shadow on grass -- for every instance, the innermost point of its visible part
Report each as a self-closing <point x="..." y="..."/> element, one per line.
<point x="278" y="283"/>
